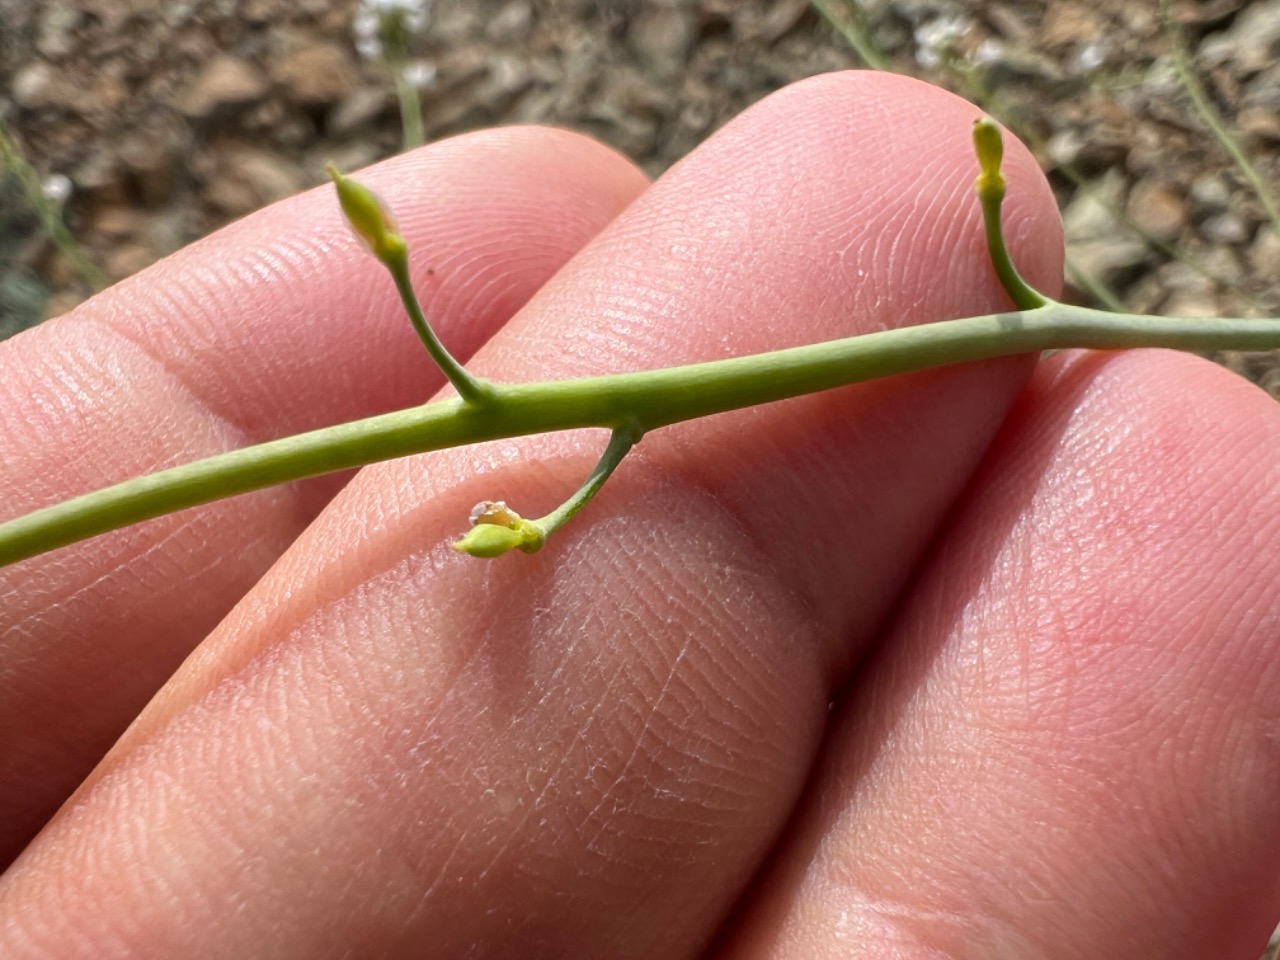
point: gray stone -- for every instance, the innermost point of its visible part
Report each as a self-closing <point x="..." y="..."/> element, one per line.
<point x="248" y="178"/>
<point x="358" y="108"/>
<point x="58" y="21"/>
<point x="127" y="259"/>
<point x="1067" y="22"/>
<point x="511" y="24"/>
<point x="34" y="85"/>
<point x="1097" y="242"/>
<point x="1065" y="146"/>
<point x="1223" y="265"/>
<point x="1191" y="293"/>
<point x="661" y="35"/>
<point x="1191" y="303"/>
<point x="1225" y="228"/>
<point x="1209" y="194"/>
<point x="1264" y="89"/>
<point x="1259" y="124"/>
<point x="1251" y="43"/>
<point x="1264" y="254"/>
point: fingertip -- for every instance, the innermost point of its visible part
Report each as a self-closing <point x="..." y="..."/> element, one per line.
<point x="902" y="130"/>
<point x="588" y="176"/>
<point x="1087" y="659"/>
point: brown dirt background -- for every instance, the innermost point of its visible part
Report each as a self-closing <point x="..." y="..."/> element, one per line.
<point x="167" y="120"/>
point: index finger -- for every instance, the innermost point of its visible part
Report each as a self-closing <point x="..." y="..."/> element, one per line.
<point x="272" y="326"/>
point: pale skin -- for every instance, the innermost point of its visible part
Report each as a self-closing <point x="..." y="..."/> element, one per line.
<point x="1042" y="603"/>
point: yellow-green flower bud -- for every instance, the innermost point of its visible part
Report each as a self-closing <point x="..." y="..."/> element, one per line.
<point x="369" y="218"/>
<point x="495" y="529"/>
<point x="489" y="540"/>
<point x="989" y="145"/>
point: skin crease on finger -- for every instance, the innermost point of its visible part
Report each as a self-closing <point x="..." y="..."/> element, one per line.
<point x="1069" y="740"/>
<point x="389" y="748"/>
<point x="272" y="326"/>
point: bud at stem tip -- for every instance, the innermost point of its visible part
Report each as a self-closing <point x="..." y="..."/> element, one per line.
<point x="989" y="145"/>
<point x="369" y="218"/>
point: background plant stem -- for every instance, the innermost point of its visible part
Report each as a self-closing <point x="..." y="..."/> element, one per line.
<point x="13" y="161"/>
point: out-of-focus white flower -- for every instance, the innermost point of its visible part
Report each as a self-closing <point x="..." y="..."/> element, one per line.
<point x="57" y="187"/>
<point x="420" y="74"/>
<point x="937" y="37"/>
<point x="1089" y="57"/>
<point x="412" y="13"/>
<point x="380" y="24"/>
<point x="368" y="45"/>
<point x="990" y="52"/>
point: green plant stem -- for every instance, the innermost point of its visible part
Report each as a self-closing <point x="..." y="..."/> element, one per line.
<point x="375" y="227"/>
<point x="850" y="22"/>
<point x="620" y="443"/>
<point x="1023" y="295"/>
<point x="472" y="389"/>
<point x="640" y="401"/>
<point x="411" y="130"/>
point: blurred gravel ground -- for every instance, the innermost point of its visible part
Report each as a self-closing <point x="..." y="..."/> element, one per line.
<point x="156" y="122"/>
<point x="162" y="121"/>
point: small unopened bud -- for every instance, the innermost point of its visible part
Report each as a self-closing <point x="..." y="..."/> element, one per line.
<point x="495" y="529"/>
<point x="989" y="145"/>
<point x="369" y="218"/>
<point x="489" y="540"/>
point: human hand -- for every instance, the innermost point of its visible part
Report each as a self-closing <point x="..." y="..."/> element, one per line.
<point x="1044" y="612"/>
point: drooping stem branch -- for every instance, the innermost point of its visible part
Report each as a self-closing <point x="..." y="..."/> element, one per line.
<point x="497" y="529"/>
<point x="471" y="388"/>
<point x="648" y="400"/>
<point x="620" y="443"/>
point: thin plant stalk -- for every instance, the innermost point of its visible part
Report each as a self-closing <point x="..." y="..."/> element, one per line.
<point x="644" y="401"/>
<point x="497" y="529"/>
<point x="848" y="19"/>
<point x="14" y="162"/>
<point x="412" y="133"/>
<point x="629" y="404"/>
<point x="1213" y="120"/>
